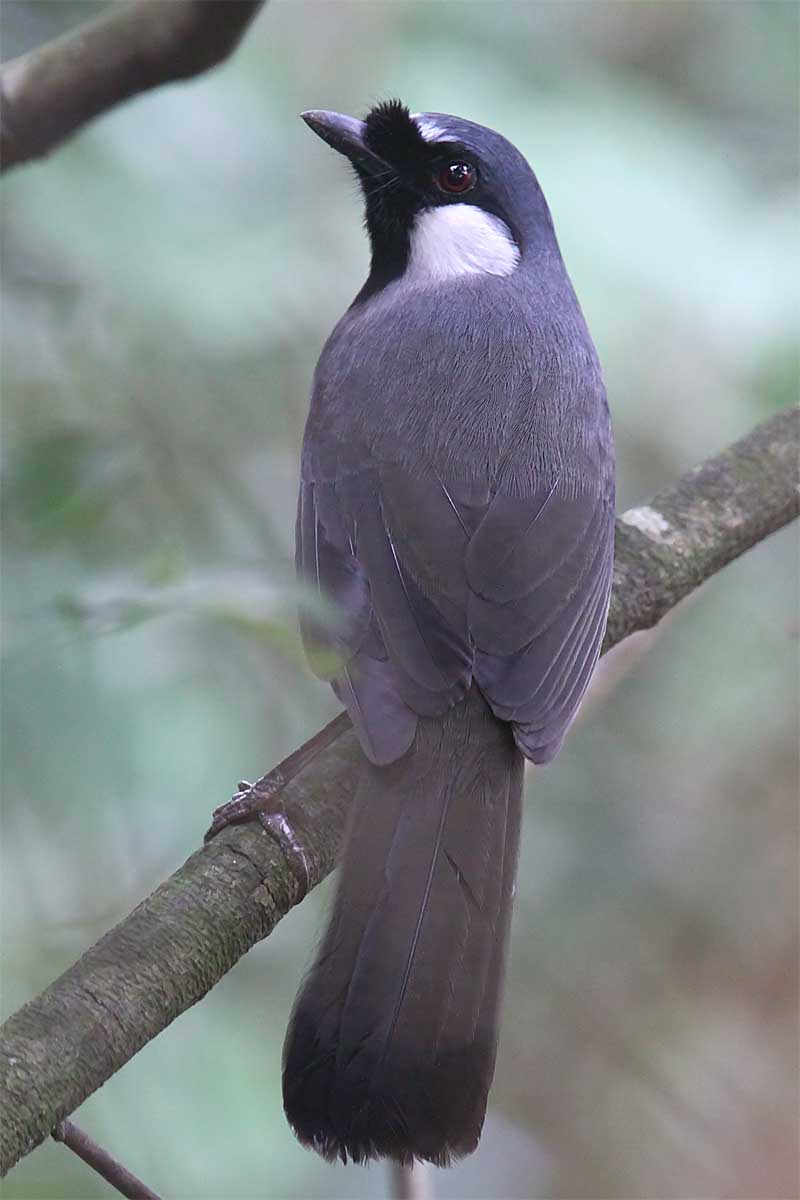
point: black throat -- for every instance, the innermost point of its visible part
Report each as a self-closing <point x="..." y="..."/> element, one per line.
<point x="389" y="224"/>
<point x="391" y="205"/>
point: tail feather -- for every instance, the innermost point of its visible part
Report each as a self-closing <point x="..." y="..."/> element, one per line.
<point x="391" y="1047"/>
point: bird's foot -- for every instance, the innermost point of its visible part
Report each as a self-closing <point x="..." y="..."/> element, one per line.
<point x="250" y="800"/>
<point x="262" y="801"/>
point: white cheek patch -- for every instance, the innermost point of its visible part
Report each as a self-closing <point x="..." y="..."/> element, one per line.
<point x="459" y="239"/>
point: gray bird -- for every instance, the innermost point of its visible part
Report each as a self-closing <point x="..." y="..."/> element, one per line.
<point x="456" y="516"/>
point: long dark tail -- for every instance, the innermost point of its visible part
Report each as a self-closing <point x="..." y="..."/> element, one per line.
<point x="391" y="1047"/>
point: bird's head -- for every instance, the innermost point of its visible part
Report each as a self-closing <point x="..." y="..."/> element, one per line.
<point x="444" y="197"/>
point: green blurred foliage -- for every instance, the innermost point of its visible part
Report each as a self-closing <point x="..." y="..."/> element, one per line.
<point x="168" y="280"/>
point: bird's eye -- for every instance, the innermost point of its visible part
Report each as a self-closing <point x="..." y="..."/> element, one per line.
<point x="457" y="178"/>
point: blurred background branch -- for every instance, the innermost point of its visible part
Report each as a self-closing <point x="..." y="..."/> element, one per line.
<point x="178" y="943"/>
<point x="50" y="93"/>
<point x="410" y="1182"/>
<point x="87" y="1149"/>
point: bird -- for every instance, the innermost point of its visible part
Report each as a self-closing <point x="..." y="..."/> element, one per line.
<point x="455" y="541"/>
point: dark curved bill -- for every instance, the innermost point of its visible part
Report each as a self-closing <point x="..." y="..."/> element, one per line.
<point x="345" y="134"/>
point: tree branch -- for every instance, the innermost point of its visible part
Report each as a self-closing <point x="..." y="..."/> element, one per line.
<point x="165" y="956"/>
<point x="53" y="91"/>
<point x="102" y="1162"/>
<point x="410" y="1181"/>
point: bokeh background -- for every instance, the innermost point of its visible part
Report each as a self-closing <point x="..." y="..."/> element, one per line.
<point x="168" y="280"/>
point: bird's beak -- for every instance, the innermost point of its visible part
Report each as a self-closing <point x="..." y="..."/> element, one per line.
<point x="346" y="135"/>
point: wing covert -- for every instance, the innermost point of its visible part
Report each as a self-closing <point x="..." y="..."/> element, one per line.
<point x="538" y="633"/>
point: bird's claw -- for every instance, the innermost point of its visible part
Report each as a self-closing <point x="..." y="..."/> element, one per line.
<point x="250" y="800"/>
<point x="262" y="801"/>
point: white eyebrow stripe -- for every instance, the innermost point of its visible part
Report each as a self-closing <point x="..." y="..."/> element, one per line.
<point x="459" y="239"/>
<point x="430" y="131"/>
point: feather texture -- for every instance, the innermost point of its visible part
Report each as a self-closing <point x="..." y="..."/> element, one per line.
<point x="457" y="511"/>
<point x="464" y="517"/>
<point x="391" y="1046"/>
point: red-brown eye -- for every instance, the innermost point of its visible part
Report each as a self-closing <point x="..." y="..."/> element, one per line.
<point x="457" y="178"/>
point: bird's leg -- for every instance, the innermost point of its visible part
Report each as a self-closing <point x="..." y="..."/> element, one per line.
<point x="262" y="800"/>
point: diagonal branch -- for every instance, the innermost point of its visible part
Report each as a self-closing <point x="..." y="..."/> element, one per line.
<point x="120" y="1178"/>
<point x="165" y="956"/>
<point x="48" y="94"/>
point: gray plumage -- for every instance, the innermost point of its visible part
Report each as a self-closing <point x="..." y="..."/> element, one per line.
<point x="456" y="506"/>
<point x="393" y="1039"/>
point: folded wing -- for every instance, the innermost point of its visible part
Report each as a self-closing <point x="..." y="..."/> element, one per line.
<point x="422" y="583"/>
